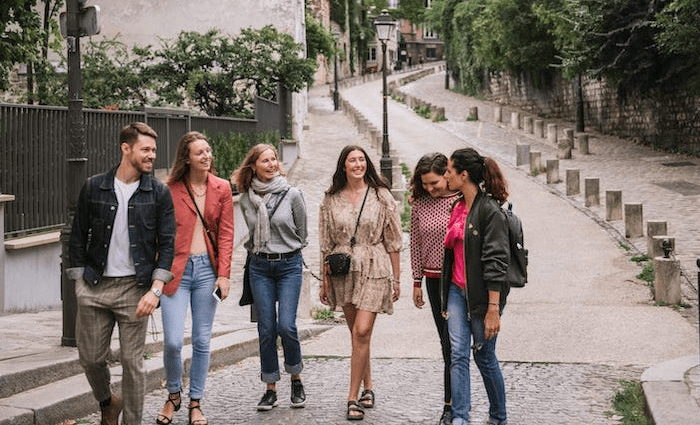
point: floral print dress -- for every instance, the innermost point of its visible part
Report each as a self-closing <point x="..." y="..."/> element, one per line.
<point x="368" y="285"/>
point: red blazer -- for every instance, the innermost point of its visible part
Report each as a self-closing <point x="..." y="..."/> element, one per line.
<point x="218" y="213"/>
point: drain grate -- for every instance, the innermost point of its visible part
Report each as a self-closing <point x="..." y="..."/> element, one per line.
<point x="681" y="186"/>
<point x="679" y="164"/>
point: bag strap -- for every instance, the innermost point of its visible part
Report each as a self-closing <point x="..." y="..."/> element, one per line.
<point x="357" y="223"/>
<point x="277" y="204"/>
<point x="199" y="213"/>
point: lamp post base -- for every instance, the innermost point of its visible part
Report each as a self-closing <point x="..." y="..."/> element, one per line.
<point x="386" y="165"/>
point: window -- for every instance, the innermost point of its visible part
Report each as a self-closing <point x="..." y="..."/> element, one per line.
<point x="393" y="4"/>
<point x="428" y="32"/>
<point x="430" y="53"/>
<point x="372" y="54"/>
<point x="427" y="4"/>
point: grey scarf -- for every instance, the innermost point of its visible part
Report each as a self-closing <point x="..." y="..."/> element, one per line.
<point x="261" y="233"/>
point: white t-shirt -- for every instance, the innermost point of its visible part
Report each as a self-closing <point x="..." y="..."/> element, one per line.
<point x="119" y="261"/>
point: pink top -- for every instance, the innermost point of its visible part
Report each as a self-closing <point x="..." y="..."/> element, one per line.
<point x="429" y="218"/>
<point x="454" y="240"/>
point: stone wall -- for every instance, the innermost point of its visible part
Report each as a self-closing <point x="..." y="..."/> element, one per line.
<point x="664" y="119"/>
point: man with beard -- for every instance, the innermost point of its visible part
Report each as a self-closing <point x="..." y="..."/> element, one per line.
<point x="121" y="251"/>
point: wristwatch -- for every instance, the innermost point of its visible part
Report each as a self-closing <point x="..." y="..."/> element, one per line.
<point x="157" y="291"/>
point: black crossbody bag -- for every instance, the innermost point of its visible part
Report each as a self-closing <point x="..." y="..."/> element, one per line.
<point x="339" y="263"/>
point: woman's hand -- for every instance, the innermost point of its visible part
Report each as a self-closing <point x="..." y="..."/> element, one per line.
<point x="418" y="297"/>
<point x="492" y="322"/>
<point x="323" y="293"/>
<point x="223" y="284"/>
<point x="397" y="290"/>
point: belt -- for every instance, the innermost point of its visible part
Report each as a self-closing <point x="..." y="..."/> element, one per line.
<point x="276" y="256"/>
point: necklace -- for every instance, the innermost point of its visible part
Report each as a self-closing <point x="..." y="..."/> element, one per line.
<point x="199" y="194"/>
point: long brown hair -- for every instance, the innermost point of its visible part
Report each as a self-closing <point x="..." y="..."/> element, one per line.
<point x="181" y="167"/>
<point x="340" y="179"/>
<point x="481" y="170"/>
<point x="243" y="176"/>
<point x="432" y="162"/>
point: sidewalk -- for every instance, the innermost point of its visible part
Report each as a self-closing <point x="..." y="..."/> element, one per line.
<point x="581" y="306"/>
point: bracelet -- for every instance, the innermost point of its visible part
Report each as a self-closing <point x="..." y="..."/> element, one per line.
<point x="416" y="284"/>
<point x="495" y="304"/>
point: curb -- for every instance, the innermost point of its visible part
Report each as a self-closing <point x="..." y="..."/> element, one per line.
<point x="667" y="395"/>
<point x="72" y="397"/>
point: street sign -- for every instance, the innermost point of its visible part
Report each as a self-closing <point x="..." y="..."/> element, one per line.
<point x="89" y="20"/>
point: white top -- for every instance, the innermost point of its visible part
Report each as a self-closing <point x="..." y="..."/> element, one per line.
<point x="119" y="261"/>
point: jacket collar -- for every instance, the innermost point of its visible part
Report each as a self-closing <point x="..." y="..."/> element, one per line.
<point x="145" y="182"/>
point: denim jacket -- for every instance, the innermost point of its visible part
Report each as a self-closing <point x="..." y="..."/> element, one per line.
<point x="486" y="256"/>
<point x="151" y="229"/>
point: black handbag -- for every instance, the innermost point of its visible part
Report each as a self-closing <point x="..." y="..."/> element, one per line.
<point x="339" y="263"/>
<point x="247" y="296"/>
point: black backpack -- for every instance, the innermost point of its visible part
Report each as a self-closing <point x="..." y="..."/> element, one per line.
<point x="517" y="269"/>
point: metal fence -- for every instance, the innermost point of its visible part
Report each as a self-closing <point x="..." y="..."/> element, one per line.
<point x="33" y="150"/>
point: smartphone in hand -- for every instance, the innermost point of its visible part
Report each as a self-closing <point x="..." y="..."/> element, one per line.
<point x="217" y="294"/>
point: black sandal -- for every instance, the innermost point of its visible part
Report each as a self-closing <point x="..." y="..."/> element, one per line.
<point x="194" y="404"/>
<point x="367" y="399"/>
<point x="354" y="407"/>
<point x="168" y="420"/>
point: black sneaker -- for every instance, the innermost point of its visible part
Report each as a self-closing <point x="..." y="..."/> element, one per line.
<point x="298" y="395"/>
<point x="446" y="418"/>
<point x="268" y="401"/>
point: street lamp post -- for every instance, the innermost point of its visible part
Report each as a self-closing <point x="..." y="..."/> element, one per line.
<point x="336" y="95"/>
<point x="384" y="26"/>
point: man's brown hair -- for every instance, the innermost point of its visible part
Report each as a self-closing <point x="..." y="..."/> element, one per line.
<point x="131" y="132"/>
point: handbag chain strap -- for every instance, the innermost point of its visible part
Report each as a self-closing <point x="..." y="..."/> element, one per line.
<point x="357" y="223"/>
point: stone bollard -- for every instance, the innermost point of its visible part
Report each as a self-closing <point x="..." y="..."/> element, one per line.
<point x="569" y="136"/>
<point x="573" y="182"/>
<point x="634" y="221"/>
<point x="527" y="125"/>
<point x="582" y="143"/>
<point x="438" y="113"/>
<point x="497" y="114"/>
<point x="654" y="228"/>
<point x="473" y="114"/>
<point x="591" y="191"/>
<point x="552" y="171"/>
<point x="657" y="245"/>
<point x="515" y="120"/>
<point x="613" y="205"/>
<point x="539" y="129"/>
<point x="667" y="281"/>
<point x="522" y="154"/>
<point x="535" y="162"/>
<point x="564" y="148"/>
<point x="552" y="134"/>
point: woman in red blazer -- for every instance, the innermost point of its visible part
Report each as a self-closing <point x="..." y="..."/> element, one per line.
<point x="201" y="268"/>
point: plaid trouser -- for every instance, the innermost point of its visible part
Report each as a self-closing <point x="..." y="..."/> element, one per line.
<point x="114" y="299"/>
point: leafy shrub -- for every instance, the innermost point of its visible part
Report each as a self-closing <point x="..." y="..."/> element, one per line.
<point x="230" y="150"/>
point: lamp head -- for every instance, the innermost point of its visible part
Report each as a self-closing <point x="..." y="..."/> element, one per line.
<point x="384" y="25"/>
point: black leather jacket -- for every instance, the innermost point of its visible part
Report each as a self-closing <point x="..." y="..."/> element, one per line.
<point x="151" y="229"/>
<point x="486" y="252"/>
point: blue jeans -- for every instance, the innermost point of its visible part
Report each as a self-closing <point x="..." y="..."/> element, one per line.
<point x="462" y="331"/>
<point x="196" y="289"/>
<point x="276" y="285"/>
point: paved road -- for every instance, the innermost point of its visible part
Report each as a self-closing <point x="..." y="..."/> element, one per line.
<point x="582" y="323"/>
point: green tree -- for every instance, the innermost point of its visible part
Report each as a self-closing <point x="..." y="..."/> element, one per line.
<point x="679" y="31"/>
<point x="319" y="39"/>
<point x="19" y="34"/>
<point x="221" y="74"/>
<point x="115" y="78"/>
